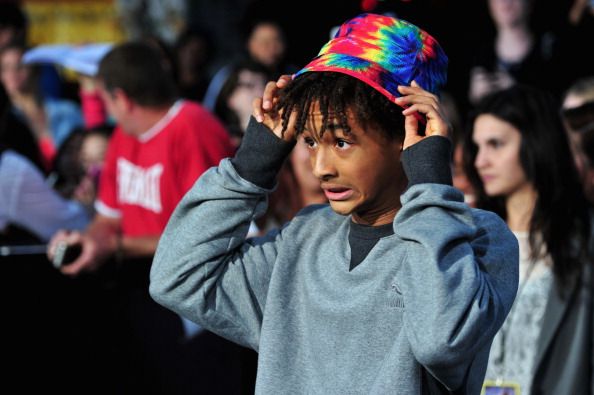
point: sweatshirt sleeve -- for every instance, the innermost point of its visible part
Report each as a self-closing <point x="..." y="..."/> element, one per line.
<point x="204" y="268"/>
<point x="459" y="280"/>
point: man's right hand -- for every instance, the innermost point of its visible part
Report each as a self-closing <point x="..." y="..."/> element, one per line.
<point x="94" y="251"/>
<point x="264" y="109"/>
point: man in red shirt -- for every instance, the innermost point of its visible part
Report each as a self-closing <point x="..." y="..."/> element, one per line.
<point x="159" y="148"/>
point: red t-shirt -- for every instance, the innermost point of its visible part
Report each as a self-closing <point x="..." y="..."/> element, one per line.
<point x="144" y="177"/>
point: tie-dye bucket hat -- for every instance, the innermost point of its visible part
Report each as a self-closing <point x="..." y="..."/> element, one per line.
<point x="383" y="52"/>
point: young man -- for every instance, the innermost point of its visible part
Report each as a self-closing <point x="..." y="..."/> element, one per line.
<point x="389" y="289"/>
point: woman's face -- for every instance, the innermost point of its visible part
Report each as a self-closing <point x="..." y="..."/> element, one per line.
<point x="250" y="84"/>
<point x="92" y="151"/>
<point x="509" y="12"/>
<point x="13" y="73"/>
<point x="498" y="156"/>
<point x="266" y="44"/>
<point x="301" y="164"/>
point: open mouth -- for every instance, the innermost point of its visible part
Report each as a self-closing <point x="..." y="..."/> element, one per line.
<point x="338" y="193"/>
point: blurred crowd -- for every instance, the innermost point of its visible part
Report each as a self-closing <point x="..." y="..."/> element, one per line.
<point x="101" y="160"/>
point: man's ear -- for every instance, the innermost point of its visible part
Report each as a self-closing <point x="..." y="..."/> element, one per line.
<point x="122" y="99"/>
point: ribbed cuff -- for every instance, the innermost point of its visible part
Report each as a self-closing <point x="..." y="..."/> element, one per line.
<point x="260" y="155"/>
<point x="428" y="161"/>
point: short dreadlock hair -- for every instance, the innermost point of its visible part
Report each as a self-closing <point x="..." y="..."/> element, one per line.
<point x="336" y="94"/>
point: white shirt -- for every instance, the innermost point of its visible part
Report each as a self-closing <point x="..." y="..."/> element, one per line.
<point x="514" y="347"/>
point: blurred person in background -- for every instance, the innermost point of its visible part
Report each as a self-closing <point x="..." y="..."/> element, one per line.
<point x="157" y="151"/>
<point x="193" y="54"/>
<point x="50" y="119"/>
<point x="519" y="162"/>
<point x="516" y="53"/>
<point x="459" y="178"/>
<point x="245" y="82"/>
<point x="79" y="162"/>
<point x="30" y="210"/>
<point x="13" y="24"/>
<point x="576" y="20"/>
<point x="16" y="135"/>
<point x="158" y="140"/>
<point x="264" y="44"/>
<point x="577" y="111"/>
<point x="29" y="203"/>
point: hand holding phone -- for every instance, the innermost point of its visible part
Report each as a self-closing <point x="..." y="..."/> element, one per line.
<point x="66" y="254"/>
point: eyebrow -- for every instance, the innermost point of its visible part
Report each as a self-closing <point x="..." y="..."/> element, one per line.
<point x="332" y="127"/>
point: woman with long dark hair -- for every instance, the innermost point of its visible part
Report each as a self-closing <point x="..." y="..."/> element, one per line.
<point x="519" y="162"/>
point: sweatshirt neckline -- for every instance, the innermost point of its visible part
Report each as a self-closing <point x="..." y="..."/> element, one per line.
<point x="368" y="232"/>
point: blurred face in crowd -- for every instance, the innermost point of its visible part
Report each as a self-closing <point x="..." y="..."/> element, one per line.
<point x="579" y="157"/>
<point x="266" y="44"/>
<point x="582" y="163"/>
<point x="509" y="12"/>
<point x="358" y="171"/>
<point x="498" y="156"/>
<point x="459" y="178"/>
<point x="13" y="73"/>
<point x="192" y="57"/>
<point x="250" y="84"/>
<point x="7" y="34"/>
<point x="301" y="165"/>
<point x="92" y="151"/>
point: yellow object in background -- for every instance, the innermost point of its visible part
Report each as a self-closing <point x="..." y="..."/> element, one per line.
<point x="72" y="21"/>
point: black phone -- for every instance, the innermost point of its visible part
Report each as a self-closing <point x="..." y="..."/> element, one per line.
<point x="66" y="254"/>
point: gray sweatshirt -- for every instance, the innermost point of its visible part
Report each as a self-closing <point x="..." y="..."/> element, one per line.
<point x="427" y="299"/>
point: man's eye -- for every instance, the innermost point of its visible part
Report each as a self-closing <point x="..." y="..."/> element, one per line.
<point x="342" y="144"/>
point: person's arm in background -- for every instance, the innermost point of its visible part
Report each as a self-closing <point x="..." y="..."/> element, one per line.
<point x="103" y="239"/>
<point x="92" y="107"/>
<point x="31" y="203"/>
<point x="98" y="243"/>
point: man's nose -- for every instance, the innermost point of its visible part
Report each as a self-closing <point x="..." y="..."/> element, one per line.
<point x="322" y="164"/>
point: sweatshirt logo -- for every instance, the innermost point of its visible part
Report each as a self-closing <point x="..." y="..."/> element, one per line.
<point x="139" y="186"/>
<point x="395" y="299"/>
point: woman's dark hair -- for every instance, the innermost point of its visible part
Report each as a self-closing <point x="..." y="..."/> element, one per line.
<point x="336" y="93"/>
<point x="68" y="171"/>
<point x="560" y="220"/>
